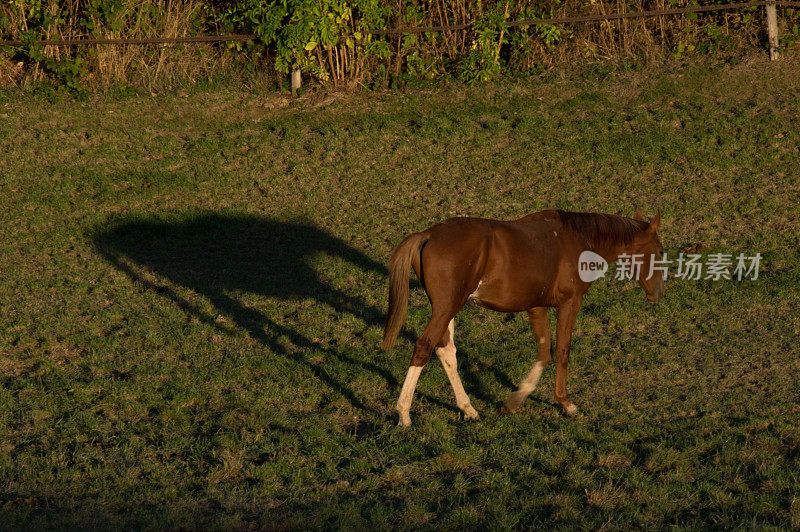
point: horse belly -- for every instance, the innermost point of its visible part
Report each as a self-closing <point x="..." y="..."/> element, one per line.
<point x="511" y="297"/>
<point x="520" y="271"/>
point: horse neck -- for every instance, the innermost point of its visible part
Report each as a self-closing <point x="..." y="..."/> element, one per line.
<point x="607" y="235"/>
<point x="611" y="250"/>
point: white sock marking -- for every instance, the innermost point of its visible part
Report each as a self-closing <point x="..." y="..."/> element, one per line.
<point x="407" y="393"/>
<point x="447" y="355"/>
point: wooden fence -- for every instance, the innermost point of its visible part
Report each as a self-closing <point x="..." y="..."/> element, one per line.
<point x="769" y="8"/>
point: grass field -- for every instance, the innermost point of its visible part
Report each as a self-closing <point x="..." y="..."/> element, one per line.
<point x="193" y="288"/>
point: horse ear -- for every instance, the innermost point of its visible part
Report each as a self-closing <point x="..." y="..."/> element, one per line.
<point x="638" y="215"/>
<point x="655" y="222"/>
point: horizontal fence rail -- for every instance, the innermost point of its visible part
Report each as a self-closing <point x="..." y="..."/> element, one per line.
<point x="405" y="30"/>
<point x="151" y="40"/>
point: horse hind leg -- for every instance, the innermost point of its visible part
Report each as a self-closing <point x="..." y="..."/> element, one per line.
<point x="422" y="353"/>
<point x="407" y="393"/>
<point x="447" y="355"/>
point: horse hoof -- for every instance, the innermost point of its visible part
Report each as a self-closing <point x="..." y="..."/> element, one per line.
<point x="571" y="410"/>
<point x="405" y="421"/>
<point x="470" y="414"/>
<point x="512" y="403"/>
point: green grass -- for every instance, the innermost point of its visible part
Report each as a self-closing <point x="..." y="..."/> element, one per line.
<point x="193" y="287"/>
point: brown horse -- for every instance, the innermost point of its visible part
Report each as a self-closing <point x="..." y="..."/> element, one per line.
<point x="510" y="266"/>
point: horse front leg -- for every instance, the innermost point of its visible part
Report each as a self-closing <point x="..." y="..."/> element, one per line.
<point x="541" y="327"/>
<point x="567" y="312"/>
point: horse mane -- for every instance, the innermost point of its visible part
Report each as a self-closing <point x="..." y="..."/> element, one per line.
<point x="602" y="229"/>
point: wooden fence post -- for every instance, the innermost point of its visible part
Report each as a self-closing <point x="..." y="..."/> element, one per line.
<point x="772" y="31"/>
<point x="297" y="80"/>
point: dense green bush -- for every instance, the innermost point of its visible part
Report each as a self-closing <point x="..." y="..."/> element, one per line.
<point x="324" y="38"/>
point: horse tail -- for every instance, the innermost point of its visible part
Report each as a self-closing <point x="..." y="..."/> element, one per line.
<point x="399" y="270"/>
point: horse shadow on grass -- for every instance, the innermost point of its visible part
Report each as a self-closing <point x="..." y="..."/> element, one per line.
<point x="220" y="255"/>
